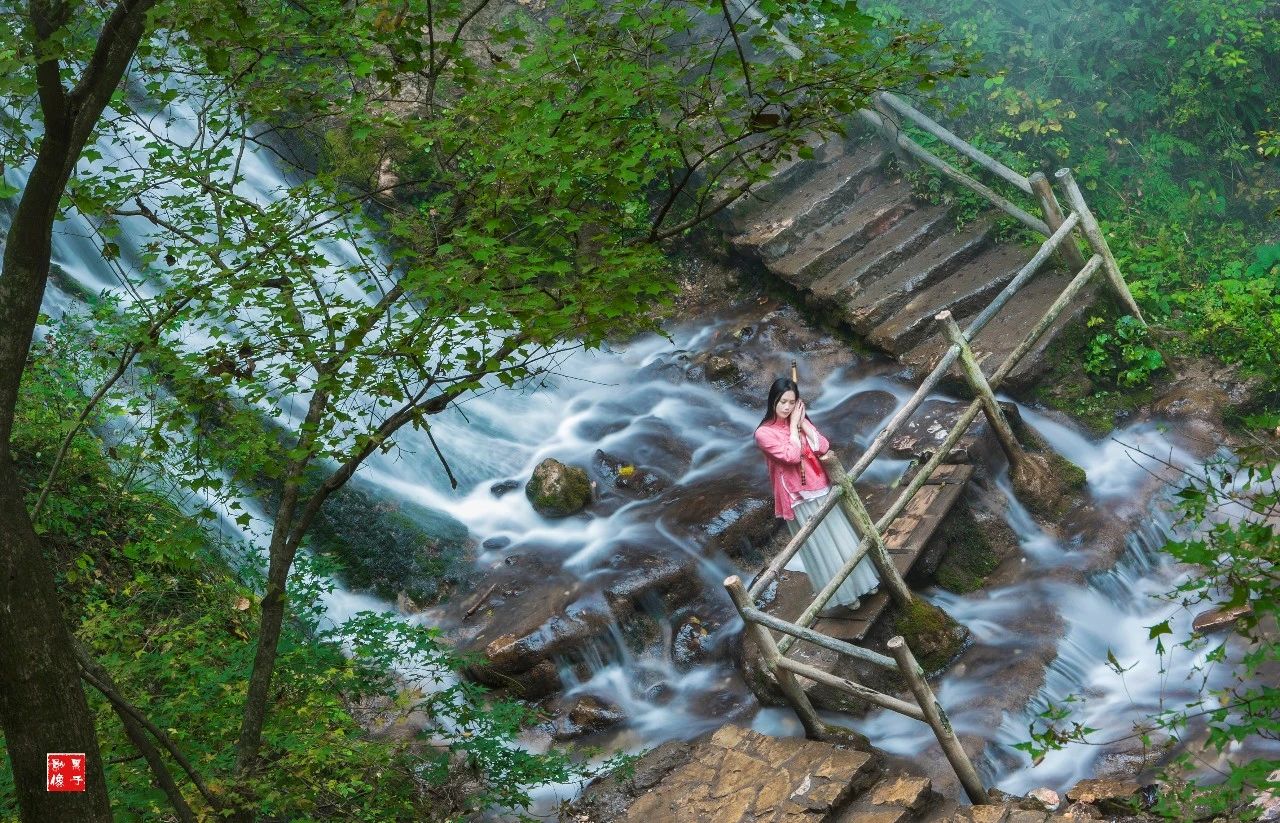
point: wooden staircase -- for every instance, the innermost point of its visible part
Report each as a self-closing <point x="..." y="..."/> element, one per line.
<point x="845" y="230"/>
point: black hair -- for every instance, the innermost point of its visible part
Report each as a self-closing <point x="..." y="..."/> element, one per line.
<point x="780" y="387"/>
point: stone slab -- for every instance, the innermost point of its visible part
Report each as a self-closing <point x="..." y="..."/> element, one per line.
<point x="740" y="776"/>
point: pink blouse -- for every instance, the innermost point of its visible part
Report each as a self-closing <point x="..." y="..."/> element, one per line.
<point x="783" y="458"/>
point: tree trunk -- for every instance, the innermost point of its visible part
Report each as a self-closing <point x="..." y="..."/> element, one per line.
<point x="42" y="703"/>
<point x="264" y="660"/>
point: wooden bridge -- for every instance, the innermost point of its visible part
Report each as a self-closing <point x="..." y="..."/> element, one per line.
<point x="855" y="241"/>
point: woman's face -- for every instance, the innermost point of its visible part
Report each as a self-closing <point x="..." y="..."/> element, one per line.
<point x="785" y="404"/>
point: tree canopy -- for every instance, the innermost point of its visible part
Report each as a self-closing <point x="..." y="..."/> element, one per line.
<point x="478" y="186"/>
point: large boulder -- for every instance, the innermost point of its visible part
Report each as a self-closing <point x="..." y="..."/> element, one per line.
<point x="737" y="775"/>
<point x="557" y="490"/>
<point x="587" y="714"/>
<point x="540" y="620"/>
<point x="1109" y="795"/>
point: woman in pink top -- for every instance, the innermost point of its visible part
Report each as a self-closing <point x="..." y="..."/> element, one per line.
<point x="791" y="446"/>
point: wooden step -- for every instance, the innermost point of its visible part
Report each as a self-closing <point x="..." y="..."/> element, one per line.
<point x="971" y="286"/>
<point x="817" y="201"/>
<point x="831" y="244"/>
<point x="882" y="253"/>
<point x="788" y="176"/>
<point x="876" y="300"/>
<point x="1007" y="329"/>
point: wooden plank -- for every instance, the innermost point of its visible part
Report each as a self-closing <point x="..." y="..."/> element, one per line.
<point x="906" y="538"/>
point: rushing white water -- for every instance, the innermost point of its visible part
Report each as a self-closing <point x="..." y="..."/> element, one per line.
<point x="634" y="401"/>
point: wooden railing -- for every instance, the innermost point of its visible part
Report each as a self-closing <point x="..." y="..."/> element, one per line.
<point x="1060" y="232"/>
<point x="773" y="653"/>
<point x="886" y="121"/>
<point x="926" y="707"/>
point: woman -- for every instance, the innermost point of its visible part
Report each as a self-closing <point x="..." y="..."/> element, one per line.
<point x="791" y="445"/>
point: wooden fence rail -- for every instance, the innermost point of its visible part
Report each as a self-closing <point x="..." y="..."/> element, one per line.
<point x="925" y="707"/>
<point x="1061" y="231"/>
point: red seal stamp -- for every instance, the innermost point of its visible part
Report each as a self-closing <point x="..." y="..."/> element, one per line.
<point x="64" y="772"/>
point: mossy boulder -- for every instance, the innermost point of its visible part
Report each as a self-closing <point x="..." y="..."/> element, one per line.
<point x="391" y="547"/>
<point x="557" y="490"/>
<point x="933" y="636"/>
<point x="1046" y="482"/>
<point x="967" y="556"/>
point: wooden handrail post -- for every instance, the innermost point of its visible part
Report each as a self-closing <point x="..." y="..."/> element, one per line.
<point x="1099" y="243"/>
<point x="814" y="728"/>
<point x="944" y="134"/>
<point x="978" y="380"/>
<point x="1053" y="216"/>
<point x="937" y="719"/>
<point x="857" y="513"/>
<point x="889" y="128"/>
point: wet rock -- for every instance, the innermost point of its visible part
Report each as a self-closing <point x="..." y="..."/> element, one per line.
<point x="539" y="615"/>
<point x="389" y="546"/>
<point x="598" y="429"/>
<point x="557" y="490"/>
<point x="1081" y="811"/>
<point x="855" y="416"/>
<point x="907" y="791"/>
<point x="990" y="814"/>
<point x="721" y="369"/>
<point x="662" y="576"/>
<point x="493" y="544"/>
<point x="671" y="367"/>
<point x="405" y="604"/>
<point x="690" y="643"/>
<point x="731" y="367"/>
<point x="932" y="635"/>
<point x="503" y="487"/>
<point x="921" y="436"/>
<point x="1194" y="399"/>
<point x="626" y="477"/>
<point x="641" y="632"/>
<point x="734" y="775"/>
<point x="659" y="693"/>
<point x="654" y="444"/>
<point x="1110" y="795"/>
<point x="1027" y="816"/>
<point x="963" y="551"/>
<point x="608" y="797"/>
<point x="730" y="515"/>
<point x="1221" y="618"/>
<point x="587" y="715"/>
<point x="1039" y="487"/>
<point x="1045" y="798"/>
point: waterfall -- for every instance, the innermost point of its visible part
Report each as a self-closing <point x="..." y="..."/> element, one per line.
<point x="637" y="401"/>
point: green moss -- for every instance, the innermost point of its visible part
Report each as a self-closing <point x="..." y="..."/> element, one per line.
<point x="969" y="557"/>
<point x="931" y="634"/>
<point x="1072" y="476"/>
<point x="1068" y="389"/>
<point x="569" y="495"/>
<point x="387" y="547"/>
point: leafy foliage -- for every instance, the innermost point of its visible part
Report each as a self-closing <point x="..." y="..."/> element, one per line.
<point x="1164" y="112"/>
<point x="1123" y="356"/>
<point x="157" y="603"/>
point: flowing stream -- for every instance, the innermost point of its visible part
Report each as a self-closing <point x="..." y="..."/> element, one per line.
<point x="647" y="404"/>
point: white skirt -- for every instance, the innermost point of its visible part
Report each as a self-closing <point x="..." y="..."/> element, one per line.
<point x="827" y="549"/>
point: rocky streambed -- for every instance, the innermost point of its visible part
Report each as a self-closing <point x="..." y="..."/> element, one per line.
<point x="614" y="618"/>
